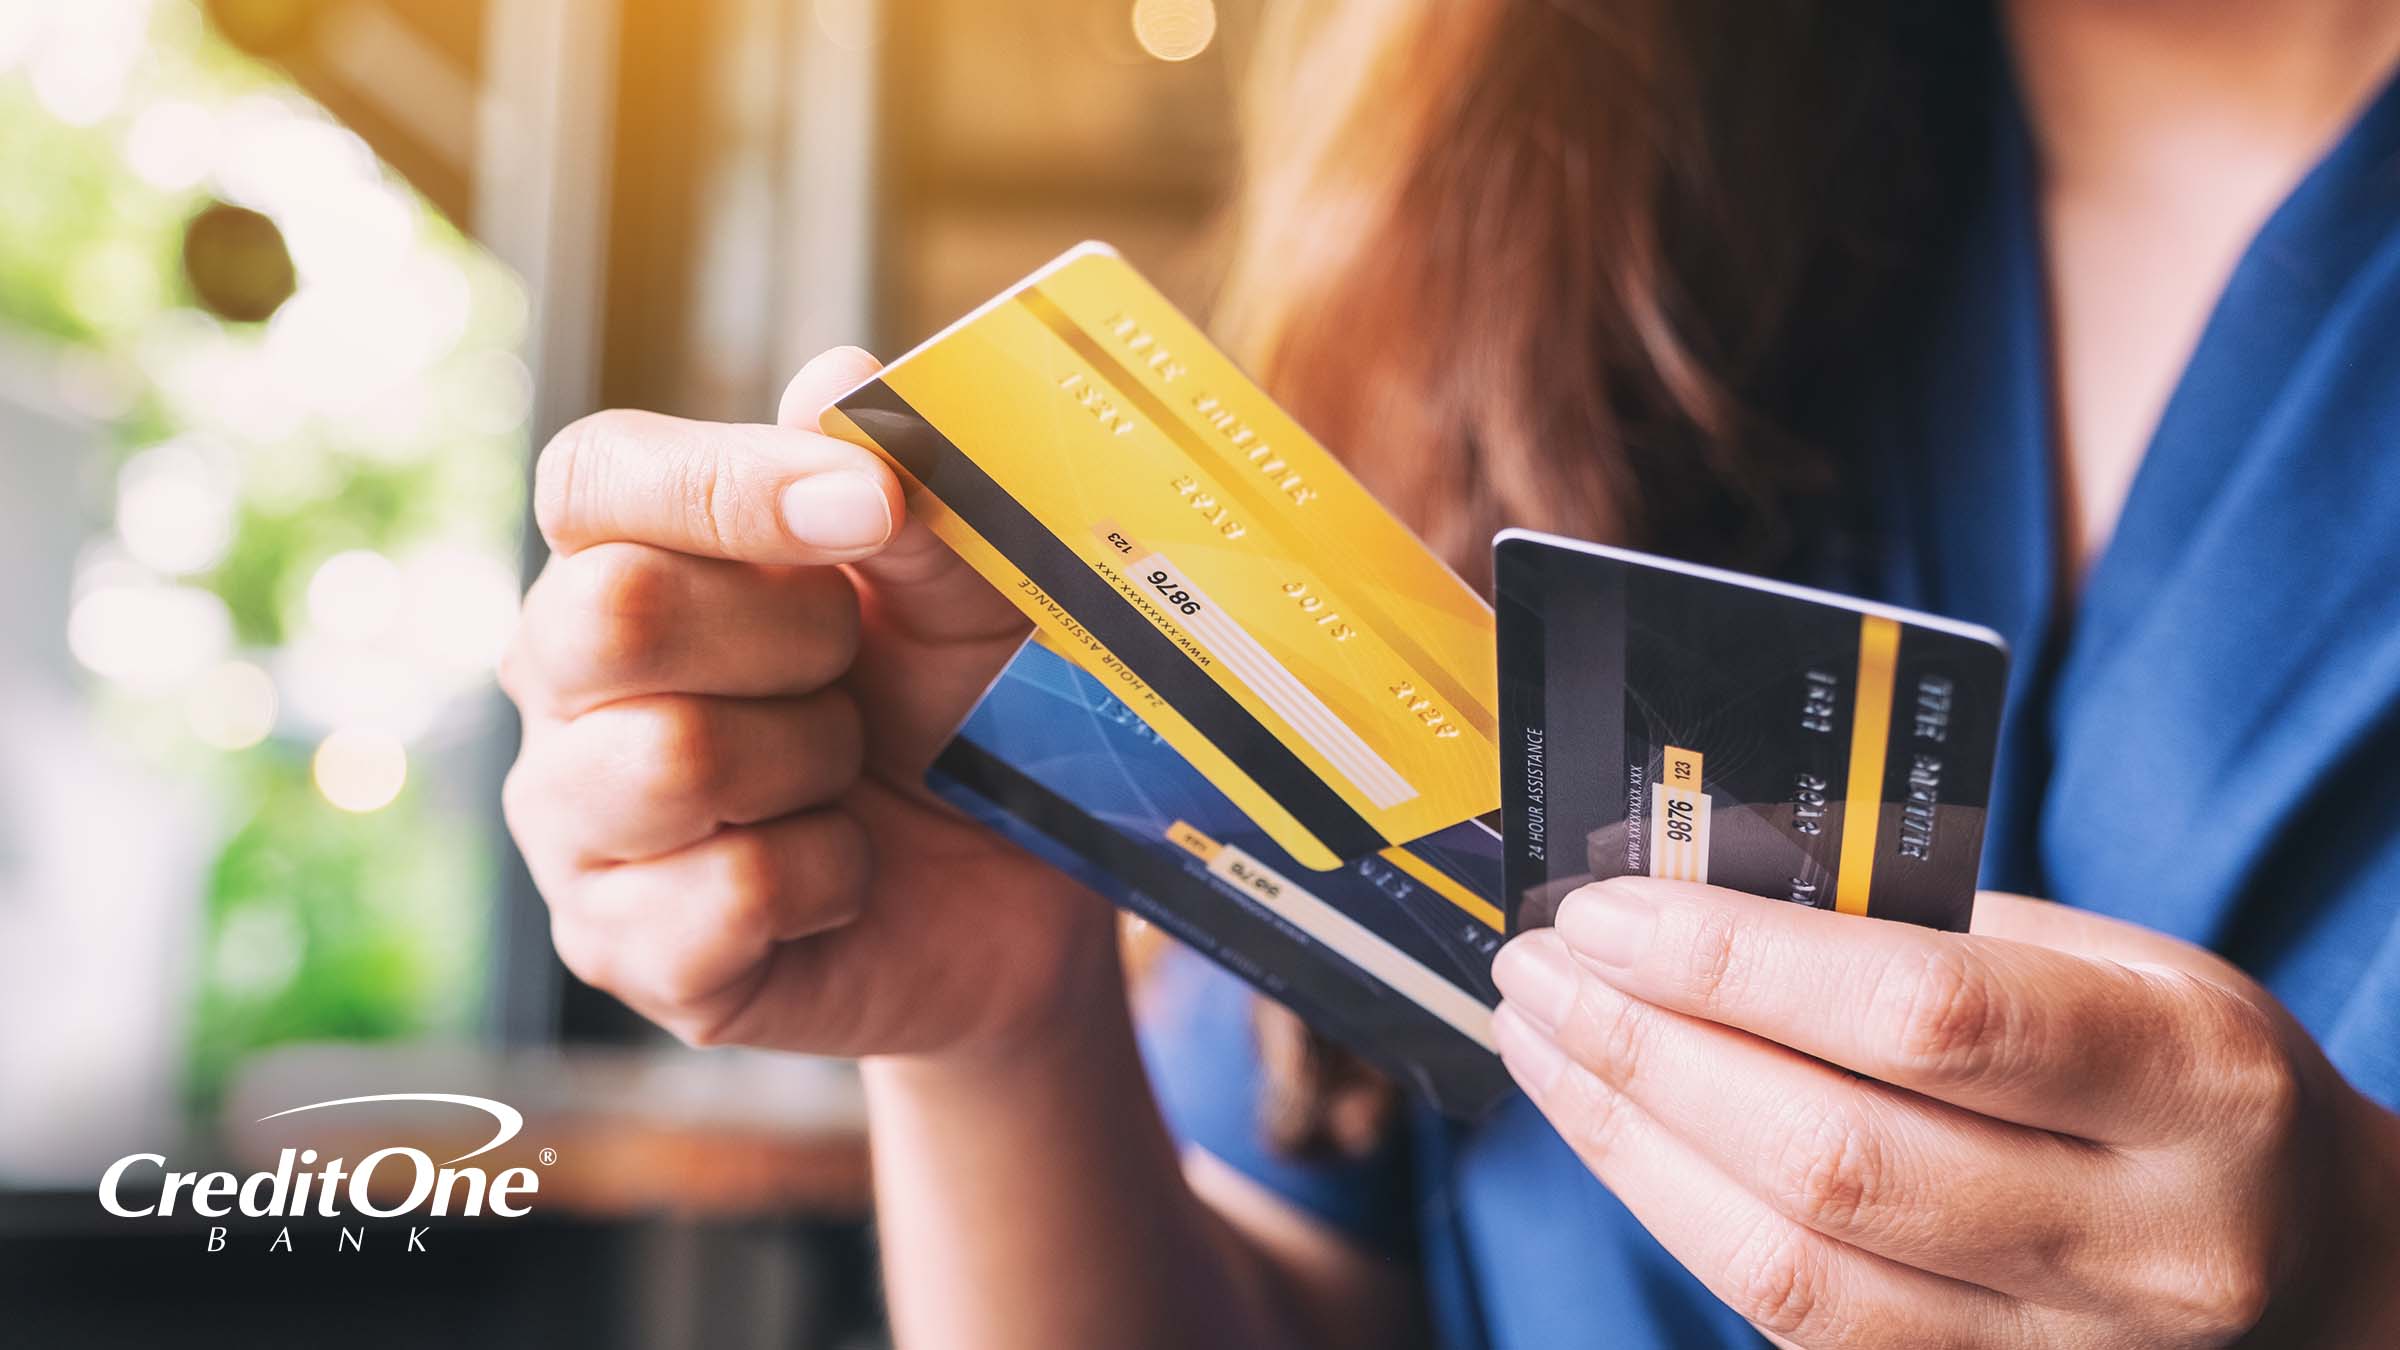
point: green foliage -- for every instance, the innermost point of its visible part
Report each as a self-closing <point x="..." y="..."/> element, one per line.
<point x="347" y="927"/>
<point x="319" y="923"/>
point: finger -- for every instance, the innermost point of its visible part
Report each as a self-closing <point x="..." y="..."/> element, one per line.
<point x="1887" y="1171"/>
<point x="2044" y="1038"/>
<point x="939" y="631"/>
<point x="644" y="777"/>
<point x="622" y="620"/>
<point x="827" y="376"/>
<point x="687" y="940"/>
<point x="757" y="494"/>
<point x="930" y="592"/>
<point x="933" y="635"/>
<point x="833" y="994"/>
<point x="1789" y="1280"/>
<point x="2045" y="923"/>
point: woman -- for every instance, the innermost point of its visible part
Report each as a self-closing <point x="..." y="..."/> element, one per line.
<point x="2077" y="319"/>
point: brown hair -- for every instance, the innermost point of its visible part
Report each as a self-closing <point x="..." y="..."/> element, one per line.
<point x="1579" y="266"/>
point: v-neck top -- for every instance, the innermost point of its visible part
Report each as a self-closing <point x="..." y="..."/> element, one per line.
<point x="2207" y="744"/>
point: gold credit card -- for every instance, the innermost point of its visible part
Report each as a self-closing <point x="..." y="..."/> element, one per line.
<point x="1172" y="531"/>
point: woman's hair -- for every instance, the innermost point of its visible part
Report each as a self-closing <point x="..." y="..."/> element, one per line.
<point x="1588" y="266"/>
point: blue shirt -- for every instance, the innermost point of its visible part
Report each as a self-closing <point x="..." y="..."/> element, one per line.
<point x="2207" y="744"/>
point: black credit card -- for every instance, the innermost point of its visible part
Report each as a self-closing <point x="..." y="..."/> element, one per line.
<point x="1663" y="719"/>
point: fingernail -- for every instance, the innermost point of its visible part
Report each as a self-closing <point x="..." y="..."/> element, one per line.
<point x="1608" y="924"/>
<point x="840" y="510"/>
<point x="1535" y="973"/>
<point x="1533" y="1059"/>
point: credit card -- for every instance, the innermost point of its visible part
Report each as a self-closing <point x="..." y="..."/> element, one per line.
<point x="1668" y="720"/>
<point x="1389" y="954"/>
<point x="1179" y="537"/>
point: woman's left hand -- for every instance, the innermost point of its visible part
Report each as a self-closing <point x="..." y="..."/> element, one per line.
<point x="2058" y="1130"/>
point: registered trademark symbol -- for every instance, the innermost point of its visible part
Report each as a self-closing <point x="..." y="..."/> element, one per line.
<point x="549" y="1156"/>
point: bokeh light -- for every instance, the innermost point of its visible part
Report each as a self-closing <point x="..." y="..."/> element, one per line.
<point x="83" y="57"/>
<point x="373" y="686"/>
<point x="461" y="607"/>
<point x="496" y="390"/>
<point x="111" y="284"/>
<point x="258" y="951"/>
<point x="1174" y="30"/>
<point x="171" y="144"/>
<point x="360" y="770"/>
<point x="21" y="25"/>
<point x="174" y="509"/>
<point x="150" y="637"/>
<point x="354" y="595"/>
<point x="232" y="707"/>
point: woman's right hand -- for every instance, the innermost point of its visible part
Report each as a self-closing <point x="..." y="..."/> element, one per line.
<point x="733" y="673"/>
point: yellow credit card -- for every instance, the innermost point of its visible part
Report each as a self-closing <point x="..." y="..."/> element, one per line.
<point x="1167" y="527"/>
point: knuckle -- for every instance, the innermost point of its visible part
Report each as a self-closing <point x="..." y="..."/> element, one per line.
<point x="2242" y="1299"/>
<point x="566" y="473"/>
<point x="1779" y="1284"/>
<point x="626" y="606"/>
<point x="675" y="754"/>
<point x="1831" y="1175"/>
<point x="2238" y="1302"/>
<point x="1610" y="1035"/>
<point x="517" y="793"/>
<point x="2209" y="1302"/>
<point x="2263" y="1096"/>
<point x="585" y="956"/>
<point x="725" y="1022"/>
<point x="842" y="741"/>
<point x="514" y="675"/>
<point x="702" y="1033"/>
<point x="1601" y="1117"/>
<point x="711" y="500"/>
<point x="620" y="608"/>
<point x="683" y="979"/>
<point x="1949" y="1025"/>
<point x="830" y="622"/>
<point x="749" y="883"/>
<point x="539" y="831"/>
<point x="1712" y="957"/>
<point x="843" y="872"/>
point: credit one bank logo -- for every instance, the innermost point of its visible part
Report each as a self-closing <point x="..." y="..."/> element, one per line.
<point x="300" y="1185"/>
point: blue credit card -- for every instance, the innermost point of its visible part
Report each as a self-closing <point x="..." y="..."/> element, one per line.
<point x="1389" y="954"/>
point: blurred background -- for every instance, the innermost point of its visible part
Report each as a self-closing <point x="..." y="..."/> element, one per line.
<point x="289" y="292"/>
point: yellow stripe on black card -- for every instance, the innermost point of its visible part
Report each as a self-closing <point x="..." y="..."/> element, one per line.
<point x="1679" y="817"/>
<point x="1870" y="735"/>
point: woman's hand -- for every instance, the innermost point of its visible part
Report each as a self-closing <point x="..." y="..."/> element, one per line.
<point x="733" y="673"/>
<point x="2060" y="1130"/>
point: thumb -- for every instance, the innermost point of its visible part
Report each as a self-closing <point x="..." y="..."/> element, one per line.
<point x="756" y="494"/>
<point x="922" y="587"/>
<point x="936" y="631"/>
<point x="781" y="494"/>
